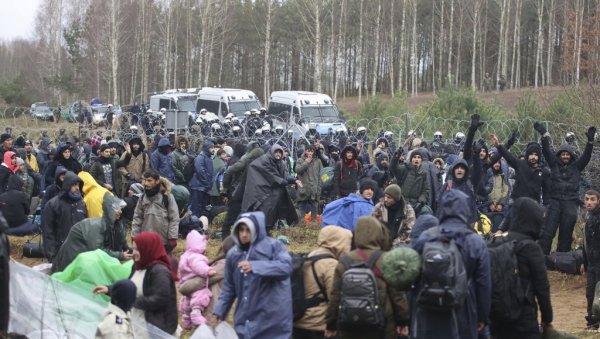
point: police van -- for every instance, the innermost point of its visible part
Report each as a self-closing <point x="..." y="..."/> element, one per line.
<point x="222" y="101"/>
<point x="309" y="109"/>
<point x="175" y="99"/>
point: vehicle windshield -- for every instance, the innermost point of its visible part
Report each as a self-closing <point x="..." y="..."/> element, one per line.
<point x="324" y="113"/>
<point x="42" y="109"/>
<point x="187" y="103"/>
<point x="239" y="107"/>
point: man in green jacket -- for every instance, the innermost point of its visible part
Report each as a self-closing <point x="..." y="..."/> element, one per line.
<point x="106" y="233"/>
<point x="308" y="168"/>
<point x="413" y="179"/>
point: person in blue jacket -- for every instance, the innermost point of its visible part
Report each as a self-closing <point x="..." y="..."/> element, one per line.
<point x="257" y="274"/>
<point x="162" y="160"/>
<point x="202" y="180"/>
<point x="468" y="321"/>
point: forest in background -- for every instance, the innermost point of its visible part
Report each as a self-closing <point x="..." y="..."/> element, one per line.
<point x="123" y="50"/>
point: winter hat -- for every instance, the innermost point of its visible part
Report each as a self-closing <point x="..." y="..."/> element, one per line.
<point x="122" y="294"/>
<point x="20" y="161"/>
<point x="394" y="191"/>
<point x="366" y="184"/>
<point x="137" y="188"/>
<point x="4" y="137"/>
<point x="28" y="142"/>
<point x="401" y="267"/>
<point x="533" y="147"/>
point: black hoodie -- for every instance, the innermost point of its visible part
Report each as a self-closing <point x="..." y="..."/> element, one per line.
<point x="70" y="164"/>
<point x="527" y="221"/>
<point x="14" y="203"/>
<point x="565" y="177"/>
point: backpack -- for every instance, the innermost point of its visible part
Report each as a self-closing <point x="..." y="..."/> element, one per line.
<point x="219" y="179"/>
<point x="189" y="169"/>
<point x="299" y="302"/>
<point x="444" y="283"/>
<point x="359" y="307"/>
<point x="508" y="293"/>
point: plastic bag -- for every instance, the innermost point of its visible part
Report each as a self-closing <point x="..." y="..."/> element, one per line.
<point x="222" y="331"/>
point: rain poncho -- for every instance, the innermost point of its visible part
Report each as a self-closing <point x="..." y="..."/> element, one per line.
<point x="345" y="212"/>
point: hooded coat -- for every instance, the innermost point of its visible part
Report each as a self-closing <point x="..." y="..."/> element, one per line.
<point x="97" y="172"/>
<point x="257" y="292"/>
<point x="43" y="154"/>
<point x="203" y="169"/>
<point x="180" y="160"/>
<point x="106" y="233"/>
<point x="70" y="164"/>
<point x="467" y="185"/>
<point x="266" y="188"/>
<point x="132" y="163"/>
<point x="527" y="221"/>
<point x="14" y="203"/>
<point x="234" y="175"/>
<point x="454" y="212"/>
<point x="54" y="189"/>
<point x="60" y="214"/>
<point x="335" y="242"/>
<point x="370" y="236"/>
<point x="399" y="222"/>
<point x="162" y="160"/>
<point x="529" y="181"/>
<point x="194" y="263"/>
<point x="310" y="175"/>
<point x="93" y="195"/>
<point x="152" y="215"/>
<point x="565" y="177"/>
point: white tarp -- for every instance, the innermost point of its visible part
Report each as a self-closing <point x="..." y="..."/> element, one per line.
<point x="41" y="307"/>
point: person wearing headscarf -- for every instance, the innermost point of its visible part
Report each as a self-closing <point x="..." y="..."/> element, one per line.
<point x="7" y="169"/>
<point x="62" y="158"/>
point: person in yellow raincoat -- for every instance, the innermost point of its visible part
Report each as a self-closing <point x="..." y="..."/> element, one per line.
<point x="93" y="194"/>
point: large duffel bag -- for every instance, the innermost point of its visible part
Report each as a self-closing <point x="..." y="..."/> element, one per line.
<point x="565" y="262"/>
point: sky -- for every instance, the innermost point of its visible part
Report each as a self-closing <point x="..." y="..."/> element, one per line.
<point x="17" y="18"/>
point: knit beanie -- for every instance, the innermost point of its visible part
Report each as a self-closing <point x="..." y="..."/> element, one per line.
<point x="394" y="191"/>
<point x="366" y="184"/>
<point x="122" y="294"/>
<point x="533" y="148"/>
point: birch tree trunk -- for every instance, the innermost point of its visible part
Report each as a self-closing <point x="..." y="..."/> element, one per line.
<point x="413" y="51"/>
<point x="550" y="53"/>
<point x="114" y="48"/>
<point x="450" y="42"/>
<point x="377" y="47"/>
<point x="476" y="9"/>
<point x="317" y="57"/>
<point x="402" y="58"/>
<point x="267" y="50"/>
<point x="579" y="22"/>
<point x="391" y="50"/>
<point x="432" y="53"/>
<point x="441" y="42"/>
<point x="360" y="56"/>
<point x="540" y="41"/>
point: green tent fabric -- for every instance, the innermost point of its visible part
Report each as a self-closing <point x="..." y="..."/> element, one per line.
<point x="90" y="269"/>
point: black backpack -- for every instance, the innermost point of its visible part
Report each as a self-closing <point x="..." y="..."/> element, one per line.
<point x="444" y="283"/>
<point x="508" y="293"/>
<point x="359" y="307"/>
<point x="189" y="169"/>
<point x="299" y="302"/>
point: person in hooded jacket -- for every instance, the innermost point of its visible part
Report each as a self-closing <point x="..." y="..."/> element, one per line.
<point x="162" y="160"/>
<point x="106" y="233"/>
<point x="62" y="158"/>
<point x="202" y="180"/>
<point x="266" y="188"/>
<point x="7" y="169"/>
<point x="61" y="213"/>
<point x="181" y="156"/>
<point x="257" y="274"/>
<point x="412" y="178"/>
<point x="56" y="187"/>
<point x="467" y="321"/>
<point x="43" y="153"/>
<point x="93" y="194"/>
<point x="527" y="220"/>
<point x="234" y="182"/>
<point x="332" y="242"/>
<point x="395" y="214"/>
<point x="565" y="176"/>
<point x="346" y="173"/>
<point x="308" y="168"/>
<point x="14" y="205"/>
<point x="117" y="323"/>
<point x="134" y="163"/>
<point x="369" y="237"/>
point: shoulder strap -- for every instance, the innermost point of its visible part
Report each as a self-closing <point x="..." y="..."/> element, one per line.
<point x="313" y="260"/>
<point x="166" y="202"/>
<point x="371" y="261"/>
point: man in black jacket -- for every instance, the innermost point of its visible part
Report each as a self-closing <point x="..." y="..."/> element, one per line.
<point x="4" y="277"/>
<point x="565" y="176"/>
<point x="527" y="221"/>
<point x="61" y="213"/>
<point x="105" y="171"/>
<point x="14" y="204"/>
<point x="591" y="252"/>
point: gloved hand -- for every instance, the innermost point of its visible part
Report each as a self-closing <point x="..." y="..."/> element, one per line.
<point x="475" y="121"/>
<point x="591" y="134"/>
<point x="511" y="141"/>
<point x="399" y="151"/>
<point x="540" y="128"/>
<point x="171" y="244"/>
<point x="290" y="180"/>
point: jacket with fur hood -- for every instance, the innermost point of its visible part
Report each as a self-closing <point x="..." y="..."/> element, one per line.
<point x="152" y="215"/>
<point x="60" y="214"/>
<point x="333" y="241"/>
<point x="370" y="236"/>
<point x="565" y="177"/>
<point x="105" y="233"/>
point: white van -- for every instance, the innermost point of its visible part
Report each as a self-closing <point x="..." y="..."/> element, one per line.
<point x="176" y="99"/>
<point x="222" y="101"/>
<point x="308" y="108"/>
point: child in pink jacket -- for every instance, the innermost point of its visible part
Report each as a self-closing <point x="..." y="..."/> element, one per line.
<point x="194" y="263"/>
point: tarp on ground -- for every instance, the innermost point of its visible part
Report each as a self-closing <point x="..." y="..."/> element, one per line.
<point x="90" y="269"/>
<point x="42" y="307"/>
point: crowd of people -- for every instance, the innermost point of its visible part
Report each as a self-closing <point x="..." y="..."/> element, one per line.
<point x="370" y="197"/>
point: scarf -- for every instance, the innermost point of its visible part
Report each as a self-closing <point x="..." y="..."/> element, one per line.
<point x="74" y="196"/>
<point x="104" y="160"/>
<point x="152" y="252"/>
<point x="152" y="192"/>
